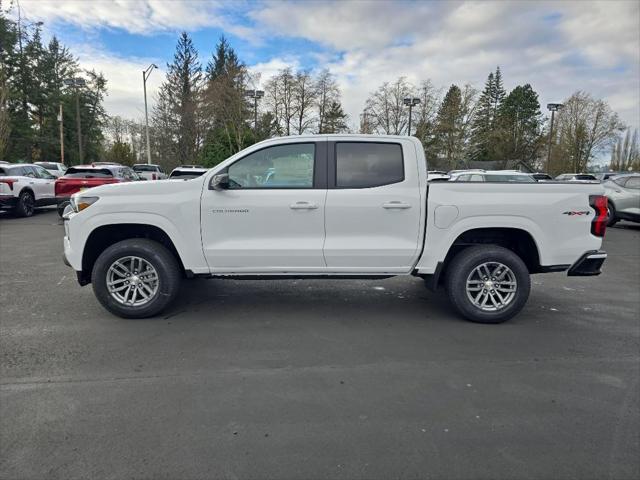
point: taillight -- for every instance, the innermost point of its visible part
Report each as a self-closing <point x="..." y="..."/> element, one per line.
<point x="599" y="223"/>
<point x="8" y="181"/>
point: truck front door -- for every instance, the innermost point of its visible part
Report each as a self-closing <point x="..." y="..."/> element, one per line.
<point x="270" y="216"/>
<point x="374" y="207"/>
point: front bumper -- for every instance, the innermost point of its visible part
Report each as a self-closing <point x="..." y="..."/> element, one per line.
<point x="588" y="264"/>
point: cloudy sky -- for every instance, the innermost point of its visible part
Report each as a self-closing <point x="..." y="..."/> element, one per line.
<point x="556" y="47"/>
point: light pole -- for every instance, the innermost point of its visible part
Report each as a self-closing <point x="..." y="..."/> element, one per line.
<point x="553" y="108"/>
<point x="411" y="102"/>
<point x="75" y="83"/>
<point x="145" y="75"/>
<point x="61" y="120"/>
<point x="255" y="94"/>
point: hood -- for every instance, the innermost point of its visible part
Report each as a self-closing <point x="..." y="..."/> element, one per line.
<point x="153" y="187"/>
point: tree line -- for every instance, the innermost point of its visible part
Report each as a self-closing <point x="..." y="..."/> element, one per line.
<point x="205" y="111"/>
<point x="34" y="89"/>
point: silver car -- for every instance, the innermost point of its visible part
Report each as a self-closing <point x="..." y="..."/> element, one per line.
<point x="623" y="193"/>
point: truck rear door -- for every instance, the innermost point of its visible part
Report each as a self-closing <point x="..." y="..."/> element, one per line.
<point x="374" y="207"/>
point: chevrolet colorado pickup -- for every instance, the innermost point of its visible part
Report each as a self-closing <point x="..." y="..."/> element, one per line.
<point x="332" y="206"/>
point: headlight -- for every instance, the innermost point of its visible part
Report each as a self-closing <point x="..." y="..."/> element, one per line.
<point x="80" y="203"/>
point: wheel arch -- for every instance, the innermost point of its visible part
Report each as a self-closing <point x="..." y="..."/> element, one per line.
<point x="104" y="236"/>
<point x="518" y="240"/>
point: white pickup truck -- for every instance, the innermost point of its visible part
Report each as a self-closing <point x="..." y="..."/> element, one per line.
<point x="332" y="206"/>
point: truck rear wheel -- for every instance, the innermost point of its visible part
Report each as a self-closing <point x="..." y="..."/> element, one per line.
<point x="136" y="278"/>
<point x="488" y="283"/>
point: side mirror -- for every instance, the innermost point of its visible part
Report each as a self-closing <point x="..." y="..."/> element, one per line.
<point x="220" y="182"/>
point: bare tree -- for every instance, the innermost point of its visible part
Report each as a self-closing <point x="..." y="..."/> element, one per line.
<point x="586" y="126"/>
<point x="625" y="154"/>
<point x="385" y="107"/>
<point x="327" y="93"/>
<point x="304" y="98"/>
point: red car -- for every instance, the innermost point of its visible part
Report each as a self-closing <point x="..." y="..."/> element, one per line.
<point x="81" y="177"/>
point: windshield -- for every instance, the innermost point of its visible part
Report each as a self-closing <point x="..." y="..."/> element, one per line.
<point x="49" y="166"/>
<point x="145" y="168"/>
<point x="511" y="178"/>
<point x="185" y="174"/>
<point x="75" y="172"/>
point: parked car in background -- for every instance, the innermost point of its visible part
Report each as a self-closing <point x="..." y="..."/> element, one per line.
<point x="54" y="168"/>
<point x="576" y="177"/>
<point x="502" y="176"/>
<point x="82" y="177"/>
<point x="623" y="192"/>
<point x="606" y="176"/>
<point x="25" y="187"/>
<point x="149" y="171"/>
<point x="105" y="164"/>
<point x="186" y="172"/>
<point x="437" y="175"/>
<point x="541" y="177"/>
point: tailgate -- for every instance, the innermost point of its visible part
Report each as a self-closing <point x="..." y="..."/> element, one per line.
<point x="65" y="187"/>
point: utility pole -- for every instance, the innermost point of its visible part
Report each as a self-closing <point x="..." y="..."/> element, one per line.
<point x="411" y="102"/>
<point x="75" y="83"/>
<point x="145" y="76"/>
<point x="553" y="108"/>
<point x="255" y="94"/>
<point x="61" y="120"/>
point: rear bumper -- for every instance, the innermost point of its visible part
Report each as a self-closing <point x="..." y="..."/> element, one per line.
<point x="588" y="264"/>
<point x="8" y="201"/>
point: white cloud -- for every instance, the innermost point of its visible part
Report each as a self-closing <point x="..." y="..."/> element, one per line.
<point x="124" y="80"/>
<point x="557" y="47"/>
<point x="134" y="16"/>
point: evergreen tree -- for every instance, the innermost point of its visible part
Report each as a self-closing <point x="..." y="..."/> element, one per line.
<point x="179" y="100"/>
<point x="518" y="127"/>
<point x="335" y="120"/>
<point x="449" y="123"/>
<point x="483" y="129"/>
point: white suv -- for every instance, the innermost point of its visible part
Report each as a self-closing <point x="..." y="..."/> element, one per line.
<point x="23" y="187"/>
<point x="54" y="168"/>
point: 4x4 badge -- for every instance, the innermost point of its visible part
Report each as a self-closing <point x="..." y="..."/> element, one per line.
<point x="572" y="213"/>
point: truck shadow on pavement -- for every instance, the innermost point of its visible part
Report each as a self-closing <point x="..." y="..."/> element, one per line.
<point x="308" y="299"/>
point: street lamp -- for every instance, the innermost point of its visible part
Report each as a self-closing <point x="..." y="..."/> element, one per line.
<point x="255" y="94"/>
<point x="553" y="108"/>
<point x="411" y="102"/>
<point x="145" y="75"/>
<point x="75" y="83"/>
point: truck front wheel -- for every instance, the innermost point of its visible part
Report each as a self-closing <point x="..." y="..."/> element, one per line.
<point x="488" y="283"/>
<point x="136" y="278"/>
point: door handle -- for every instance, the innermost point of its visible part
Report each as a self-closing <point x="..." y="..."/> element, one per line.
<point x="396" y="205"/>
<point x="303" y="206"/>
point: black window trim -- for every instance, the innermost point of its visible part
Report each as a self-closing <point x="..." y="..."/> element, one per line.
<point x="319" y="166"/>
<point x="332" y="172"/>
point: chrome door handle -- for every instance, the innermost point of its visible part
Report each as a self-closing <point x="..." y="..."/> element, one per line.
<point x="303" y="206"/>
<point x="396" y="204"/>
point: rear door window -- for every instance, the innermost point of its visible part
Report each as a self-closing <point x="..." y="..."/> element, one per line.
<point x="368" y="164"/>
<point x="633" y="183"/>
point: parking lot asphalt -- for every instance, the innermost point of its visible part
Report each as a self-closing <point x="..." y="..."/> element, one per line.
<point x="316" y="378"/>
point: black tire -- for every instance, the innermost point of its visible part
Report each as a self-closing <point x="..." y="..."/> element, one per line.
<point x="165" y="264"/>
<point x="61" y="207"/>
<point x="612" y="220"/>
<point x="462" y="266"/>
<point x="26" y="204"/>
